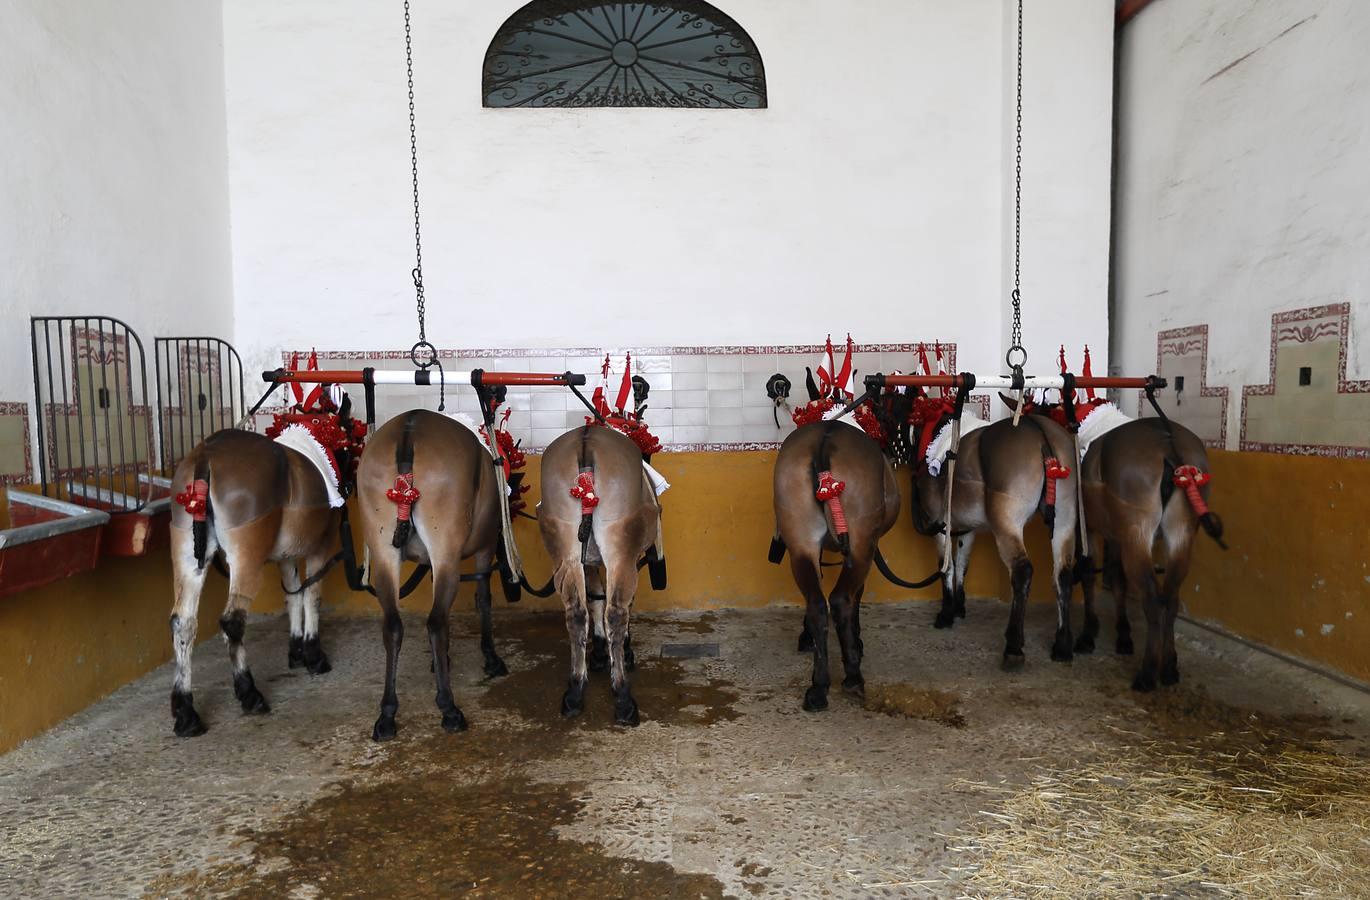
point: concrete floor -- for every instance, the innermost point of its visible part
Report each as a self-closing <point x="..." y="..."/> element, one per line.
<point x="727" y="788"/>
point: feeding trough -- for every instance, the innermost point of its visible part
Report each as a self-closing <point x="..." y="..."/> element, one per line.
<point x="45" y="540"/>
<point x="137" y="525"/>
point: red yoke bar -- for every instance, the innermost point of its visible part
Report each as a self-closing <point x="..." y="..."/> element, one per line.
<point x="418" y="376"/>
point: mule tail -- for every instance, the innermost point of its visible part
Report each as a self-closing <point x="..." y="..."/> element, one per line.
<point x="584" y="490"/>
<point x="404" y="494"/>
<point x="199" y="526"/>
<point x="827" y="490"/>
<point x="1189" y="479"/>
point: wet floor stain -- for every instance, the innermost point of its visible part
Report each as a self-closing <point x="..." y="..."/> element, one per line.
<point x="456" y="815"/>
<point x="915" y="703"/>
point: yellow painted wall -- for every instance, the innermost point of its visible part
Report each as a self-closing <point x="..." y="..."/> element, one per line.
<point x="1298" y="528"/>
<point x="66" y="645"/>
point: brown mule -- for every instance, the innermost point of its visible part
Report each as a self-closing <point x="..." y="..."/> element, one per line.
<point x="869" y="504"/>
<point x="613" y="518"/>
<point x="1131" y="500"/>
<point x="1001" y="482"/>
<point x="264" y="502"/>
<point x="455" y="516"/>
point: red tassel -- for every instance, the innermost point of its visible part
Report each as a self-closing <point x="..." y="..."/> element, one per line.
<point x="1191" y="478"/>
<point x="1055" y="472"/>
<point x="404" y="495"/>
<point x="829" y="490"/>
<point x="584" y="491"/>
<point x="195" y="499"/>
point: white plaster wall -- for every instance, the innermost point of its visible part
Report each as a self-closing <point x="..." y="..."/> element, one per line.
<point x="1243" y="178"/>
<point x="113" y="170"/>
<point x="870" y="196"/>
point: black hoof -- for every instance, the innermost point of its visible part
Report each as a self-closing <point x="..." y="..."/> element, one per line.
<point x="944" y="619"/>
<point x="1170" y="675"/>
<point x="1061" y="650"/>
<point x="495" y="668"/>
<point x="1124" y="646"/>
<point x="625" y="713"/>
<point x="815" y="699"/>
<point x="1012" y="662"/>
<point x="296" y="656"/>
<point x="254" y="703"/>
<point x="805" y="641"/>
<point x="320" y="666"/>
<point x="453" y="721"/>
<point x="573" y="701"/>
<point x="856" y="686"/>
<point x="188" y="723"/>
<point x="1144" y="683"/>
<point x="385" y="729"/>
<point x="315" y="660"/>
<point x="961" y="610"/>
<point x="1084" y="643"/>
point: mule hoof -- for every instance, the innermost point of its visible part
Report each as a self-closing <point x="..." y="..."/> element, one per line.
<point x="572" y="703"/>
<point x="625" y="713"/>
<point x="1084" y="643"/>
<point x="1124" y="646"/>
<point x="189" y="725"/>
<point x="495" y="668"/>
<point x="1012" y="662"/>
<point x="296" y="656"/>
<point x="255" y="704"/>
<point x="815" y="699"/>
<point x="385" y="729"/>
<point x="805" y="641"/>
<point x="453" y="722"/>
<point x="320" y="666"/>
<point x="856" y="686"/>
<point x="961" y="611"/>
<point x="1144" y="683"/>
<point x="1061" y="650"/>
<point x="944" y="620"/>
<point x="1170" y="675"/>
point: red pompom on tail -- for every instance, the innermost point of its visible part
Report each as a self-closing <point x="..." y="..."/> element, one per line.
<point x="404" y="495"/>
<point x="195" y="499"/>
<point x="1190" y="479"/>
<point x="829" y="490"/>
<point x="584" y="491"/>
<point x="1055" y="472"/>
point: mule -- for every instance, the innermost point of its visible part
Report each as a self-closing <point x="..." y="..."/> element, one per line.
<point x="819" y="461"/>
<point x="598" y="516"/>
<point x="427" y="492"/>
<point x="1137" y="493"/>
<point x="255" y="501"/>
<point x="1003" y="478"/>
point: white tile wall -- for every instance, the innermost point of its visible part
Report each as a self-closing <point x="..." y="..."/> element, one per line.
<point x="699" y="395"/>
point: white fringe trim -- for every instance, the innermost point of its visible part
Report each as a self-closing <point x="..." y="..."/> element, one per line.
<point x="941" y="442"/>
<point x="1099" y="422"/>
<point x="298" y="438"/>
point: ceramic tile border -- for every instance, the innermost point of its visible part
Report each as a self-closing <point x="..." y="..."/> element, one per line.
<point x="26" y="476"/>
<point x="1179" y="342"/>
<point x="1289" y="327"/>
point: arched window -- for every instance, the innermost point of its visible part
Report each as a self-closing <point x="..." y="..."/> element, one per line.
<point x="577" y="53"/>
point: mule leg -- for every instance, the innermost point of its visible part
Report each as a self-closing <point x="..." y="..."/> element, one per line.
<point x="842" y="604"/>
<point x="596" y="599"/>
<point x="184" y="623"/>
<point x="494" y="666"/>
<point x="294" y="604"/>
<point x="445" y="585"/>
<point x="570" y="582"/>
<point x="385" y="578"/>
<point x="856" y="618"/>
<point x="810" y="582"/>
<point x="1116" y="581"/>
<point x="946" y="615"/>
<point x="247" y="555"/>
<point x="1014" y="555"/>
<point x="621" y="582"/>
<point x="315" y="660"/>
<point x="1141" y="579"/>
<point x="964" y="544"/>
<point x="1063" y="562"/>
<point x="1085" y="574"/>
<point x="1179" y="542"/>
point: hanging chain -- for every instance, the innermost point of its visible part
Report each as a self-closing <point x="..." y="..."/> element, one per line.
<point x="429" y="352"/>
<point x="1017" y="355"/>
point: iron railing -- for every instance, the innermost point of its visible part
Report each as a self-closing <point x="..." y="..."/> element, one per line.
<point x="94" y="424"/>
<point x="200" y="390"/>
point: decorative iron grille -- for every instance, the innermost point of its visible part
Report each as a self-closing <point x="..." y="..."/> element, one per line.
<point x="566" y="53"/>
<point x="200" y="390"/>
<point x="94" y="423"/>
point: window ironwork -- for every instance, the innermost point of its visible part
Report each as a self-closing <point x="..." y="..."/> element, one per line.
<point x="584" y="54"/>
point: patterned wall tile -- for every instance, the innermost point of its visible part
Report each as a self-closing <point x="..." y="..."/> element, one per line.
<point x="1182" y="359"/>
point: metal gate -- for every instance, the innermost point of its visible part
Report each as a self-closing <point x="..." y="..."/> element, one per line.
<point x="94" y="422"/>
<point x="199" y="391"/>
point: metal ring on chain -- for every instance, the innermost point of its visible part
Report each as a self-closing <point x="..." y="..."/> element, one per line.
<point x="429" y="351"/>
<point x="1020" y="353"/>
